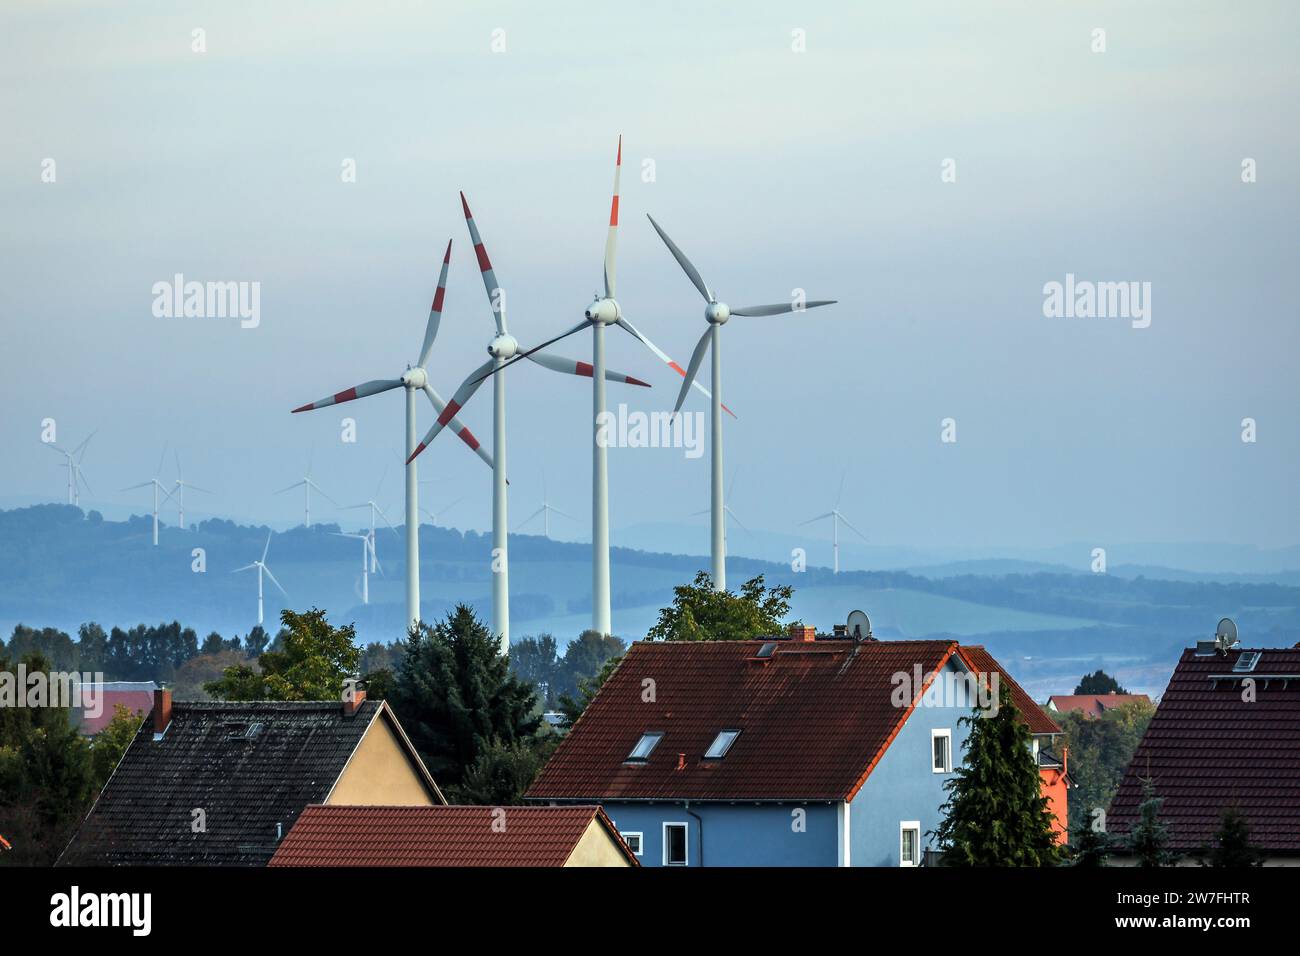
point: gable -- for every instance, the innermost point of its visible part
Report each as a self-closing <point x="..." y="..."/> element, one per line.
<point x="381" y="772"/>
<point x="598" y="847"/>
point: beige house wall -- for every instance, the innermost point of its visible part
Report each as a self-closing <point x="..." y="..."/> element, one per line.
<point x="380" y="774"/>
<point x="597" y="848"/>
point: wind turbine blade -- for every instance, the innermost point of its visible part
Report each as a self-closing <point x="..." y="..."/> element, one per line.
<point x="829" y="514"/>
<point x="380" y="511"/>
<point x="161" y="459"/>
<point x="568" y="366"/>
<point x="292" y="486"/>
<point x="274" y="581"/>
<point x="523" y="355"/>
<point x="780" y="308"/>
<point x="266" y="547"/>
<point x="853" y="529"/>
<point x="59" y="449"/>
<point x="522" y="524"/>
<point x="691" y="272"/>
<point x="247" y="567"/>
<point x="447" y="508"/>
<point x="611" y="238"/>
<point x="203" y="490"/>
<point x="457" y="426"/>
<point x="485" y="269"/>
<point x="143" y="484"/>
<point x="562" y="514"/>
<point x="346" y="534"/>
<point x="319" y="491"/>
<point x="435" y="310"/>
<point x="697" y="357"/>
<point x="840" y="495"/>
<point x="696" y="514"/>
<point x="373" y="387"/>
<point x="732" y="515"/>
<point x="632" y="330"/>
<point x="370" y="543"/>
<point x="81" y="477"/>
<point x="80" y="450"/>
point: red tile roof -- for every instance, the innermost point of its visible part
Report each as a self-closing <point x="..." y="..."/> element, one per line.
<point x="814" y="719"/>
<point x="1093" y="705"/>
<point x="981" y="661"/>
<point x="439" y="836"/>
<point x="1206" y="748"/>
<point x="136" y="700"/>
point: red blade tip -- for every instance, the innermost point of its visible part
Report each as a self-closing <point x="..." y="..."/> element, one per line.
<point x="465" y="206"/>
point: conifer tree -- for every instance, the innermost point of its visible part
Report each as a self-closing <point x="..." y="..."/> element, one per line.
<point x="1232" y="846"/>
<point x="996" y="814"/>
<point x="1149" y="838"/>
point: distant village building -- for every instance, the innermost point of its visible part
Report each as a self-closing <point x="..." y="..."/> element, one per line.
<point x="135" y="696"/>
<point x="221" y="783"/>
<point x="802" y="751"/>
<point x="453" y="837"/>
<point x="1092" y="705"/>
<point x="1226" y="734"/>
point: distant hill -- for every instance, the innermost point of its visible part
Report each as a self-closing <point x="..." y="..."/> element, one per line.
<point x="61" y="567"/>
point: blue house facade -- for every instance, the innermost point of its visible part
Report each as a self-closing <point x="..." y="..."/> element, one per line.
<point x="773" y="753"/>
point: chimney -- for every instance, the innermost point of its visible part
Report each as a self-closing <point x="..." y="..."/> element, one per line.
<point x="353" y="697"/>
<point x="162" y="711"/>
<point x="681" y="761"/>
<point x="802" y="632"/>
<point x="841" y="630"/>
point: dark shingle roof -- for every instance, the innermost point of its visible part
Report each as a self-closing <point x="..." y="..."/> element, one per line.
<point x="1206" y="749"/>
<point x="246" y="766"/>
<point x="440" y="836"/>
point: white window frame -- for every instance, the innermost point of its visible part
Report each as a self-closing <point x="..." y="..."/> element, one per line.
<point x="710" y="756"/>
<point x="640" y="841"/>
<point x="935" y="734"/>
<point x="658" y="736"/>
<point x="685" y="843"/>
<point x="903" y="827"/>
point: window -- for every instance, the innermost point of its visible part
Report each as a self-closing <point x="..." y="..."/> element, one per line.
<point x="909" y="843"/>
<point x="633" y="841"/>
<point x="721" y="744"/>
<point x="641" y="752"/>
<point x="766" y="651"/>
<point x="1246" y="662"/>
<point x="941" y="750"/>
<point x="675" y="853"/>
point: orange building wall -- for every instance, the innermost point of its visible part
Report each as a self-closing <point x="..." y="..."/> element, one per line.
<point x="1053" y="786"/>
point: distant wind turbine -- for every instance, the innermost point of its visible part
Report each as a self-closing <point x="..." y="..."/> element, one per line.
<point x="367" y="557"/>
<point x="434" y="516"/>
<point x="306" y="484"/>
<point x="716" y="314"/>
<point x="73" y="461"/>
<point x="180" y="485"/>
<point x="262" y="568"/>
<point x="157" y="487"/>
<point x="374" y="510"/>
<point x="836" y="517"/>
<point x="726" y="509"/>
<point x="545" y="511"/>
<point x="414" y="379"/>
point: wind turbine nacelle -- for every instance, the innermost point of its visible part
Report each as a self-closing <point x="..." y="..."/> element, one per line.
<point x="717" y="312"/>
<point x="604" y="311"/>
<point x="415" y="378"/>
<point x="503" y="347"/>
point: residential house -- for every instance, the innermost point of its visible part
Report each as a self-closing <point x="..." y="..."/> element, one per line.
<point x="803" y="751"/>
<point x="1226" y="734"/>
<point x="135" y="696"/>
<point x="453" y="836"/>
<point x="1092" y="705"/>
<point x="221" y="783"/>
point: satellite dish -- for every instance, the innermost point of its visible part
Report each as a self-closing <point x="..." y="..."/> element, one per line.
<point x="859" y="625"/>
<point x="1225" y="635"/>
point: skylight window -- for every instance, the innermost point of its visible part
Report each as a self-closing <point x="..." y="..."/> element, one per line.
<point x="1246" y="662"/>
<point x="766" y="651"/>
<point x="721" y="744"/>
<point x="645" y="746"/>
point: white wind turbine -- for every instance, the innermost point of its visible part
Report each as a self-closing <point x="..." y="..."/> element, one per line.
<point x="368" y="559"/>
<point x="434" y="516"/>
<point x="306" y="484"/>
<point x="374" y="510"/>
<point x="604" y="310"/>
<point x="716" y="314"/>
<point x="157" y="487"/>
<point x="73" y="461"/>
<point x="545" y="511"/>
<point x="262" y="569"/>
<point x="726" y="508"/>
<point x="502" y="349"/>
<point x="836" y="517"/>
<point x="414" y="379"/>
<point x="180" y="485"/>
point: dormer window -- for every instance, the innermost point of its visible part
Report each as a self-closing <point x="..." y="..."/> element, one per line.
<point x="1246" y="662"/>
<point x="645" y="746"/>
<point x="721" y="744"/>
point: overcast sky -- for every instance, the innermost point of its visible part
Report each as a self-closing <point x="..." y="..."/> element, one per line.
<point x="773" y="169"/>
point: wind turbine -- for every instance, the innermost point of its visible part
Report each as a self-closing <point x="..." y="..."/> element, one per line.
<point x="414" y="379"/>
<point x="716" y="314"/>
<point x="73" y="461"/>
<point x="157" y="487"/>
<point x="502" y="349"/>
<point x="374" y="510"/>
<point x="545" y="511"/>
<point x="261" y="567"/>
<point x="180" y="485"/>
<point x="306" y="484"/>
<point x="726" y="508"/>
<point x="836" y="517"/>
<point x="433" y="517"/>
<point x="367" y="558"/>
<point x="603" y="310"/>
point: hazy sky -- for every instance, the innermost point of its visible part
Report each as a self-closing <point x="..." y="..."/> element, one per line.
<point x="774" y="169"/>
